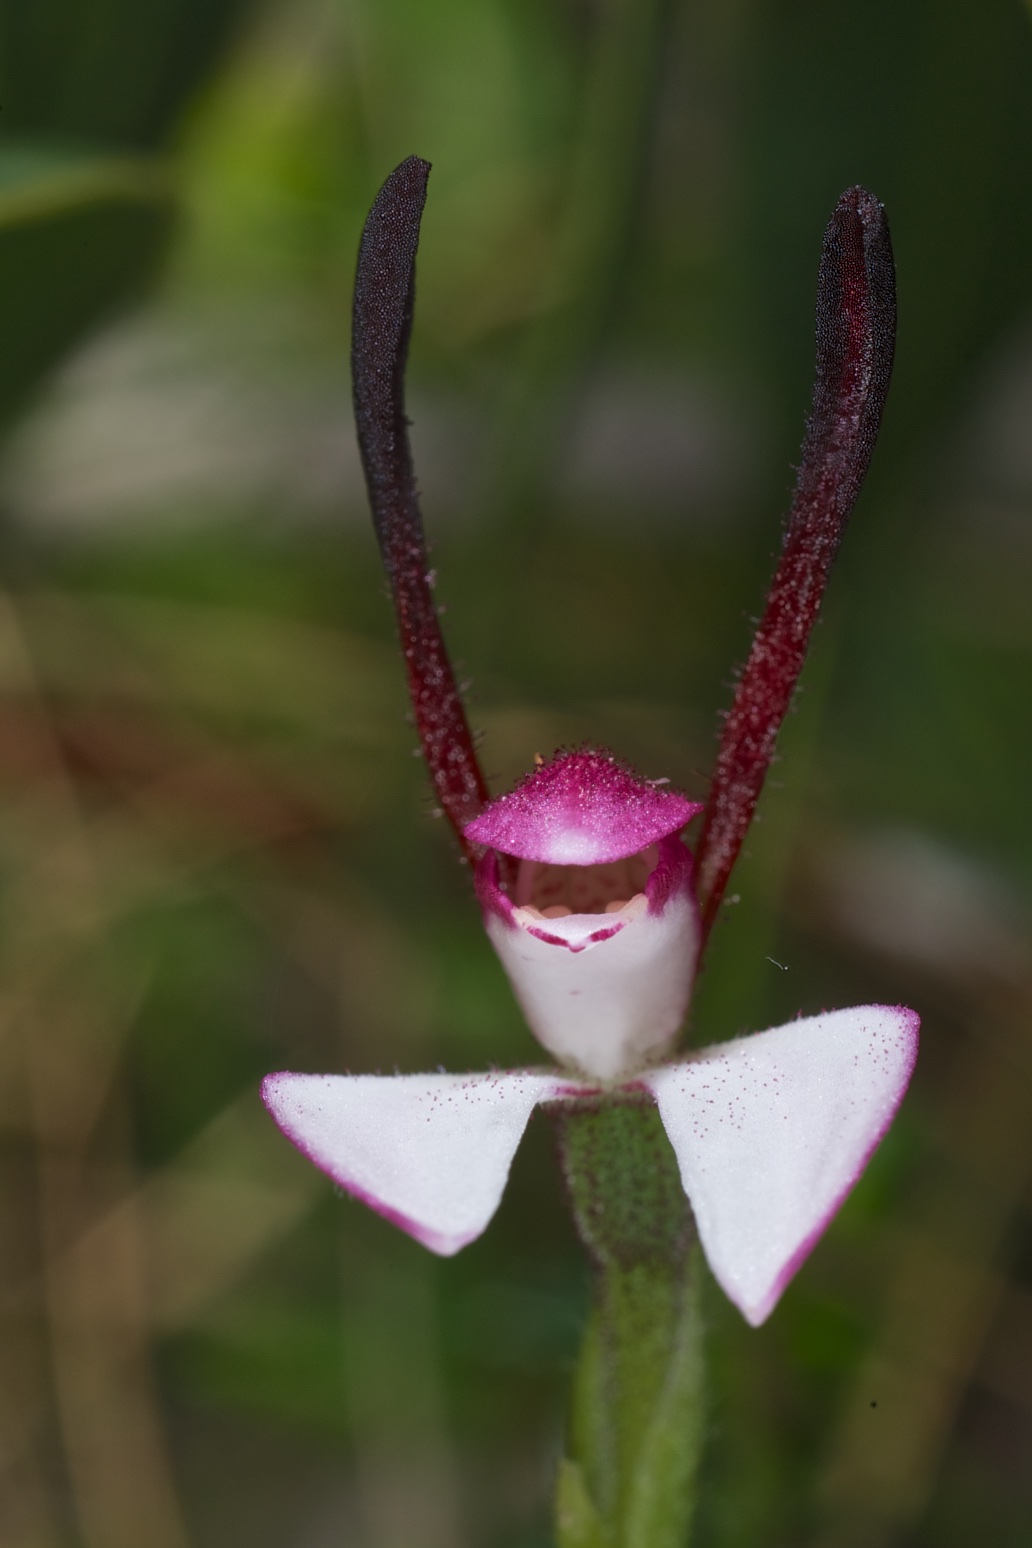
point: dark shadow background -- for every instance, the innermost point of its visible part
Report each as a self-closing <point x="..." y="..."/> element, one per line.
<point x="216" y="854"/>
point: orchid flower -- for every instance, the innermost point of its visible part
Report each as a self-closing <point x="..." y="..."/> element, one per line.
<point x="589" y="894"/>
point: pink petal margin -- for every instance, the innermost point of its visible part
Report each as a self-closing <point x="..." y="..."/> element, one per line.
<point x="431" y="1153"/>
<point x="771" y="1132"/>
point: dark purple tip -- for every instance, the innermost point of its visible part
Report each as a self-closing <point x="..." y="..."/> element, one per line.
<point x="382" y="323"/>
<point x="856" y="334"/>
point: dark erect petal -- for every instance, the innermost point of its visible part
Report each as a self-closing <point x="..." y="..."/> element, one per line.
<point x="856" y="330"/>
<point x="382" y="323"/>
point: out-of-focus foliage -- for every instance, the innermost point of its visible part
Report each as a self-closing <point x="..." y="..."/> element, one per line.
<point x="115" y="72"/>
<point x="88" y="97"/>
<point x="78" y="232"/>
<point x="215" y="850"/>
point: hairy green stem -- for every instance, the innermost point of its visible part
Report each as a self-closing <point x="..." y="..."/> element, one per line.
<point x="636" y="1425"/>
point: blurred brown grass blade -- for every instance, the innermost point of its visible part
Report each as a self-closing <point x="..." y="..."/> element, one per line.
<point x="29" y="1511"/>
<point x="96" y="1299"/>
<point x="404" y="1460"/>
<point x="201" y="1221"/>
<point x="68" y="1037"/>
<point x="344" y="942"/>
<point x="137" y="685"/>
<point x="195" y="732"/>
<point x="940" y="1305"/>
<point x="940" y="1326"/>
<point x="1005" y="1365"/>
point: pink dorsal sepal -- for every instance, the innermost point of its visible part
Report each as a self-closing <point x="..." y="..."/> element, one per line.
<point x="581" y="808"/>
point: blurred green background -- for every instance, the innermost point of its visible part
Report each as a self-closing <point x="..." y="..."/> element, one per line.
<point x="216" y="854"/>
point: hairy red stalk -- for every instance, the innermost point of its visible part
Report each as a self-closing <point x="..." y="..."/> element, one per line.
<point x="382" y="324"/>
<point x="856" y="331"/>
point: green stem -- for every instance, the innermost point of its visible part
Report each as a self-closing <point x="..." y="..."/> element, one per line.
<point x="628" y="1479"/>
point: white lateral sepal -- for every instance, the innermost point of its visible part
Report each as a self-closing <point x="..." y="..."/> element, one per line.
<point x="430" y="1152"/>
<point x="772" y="1131"/>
